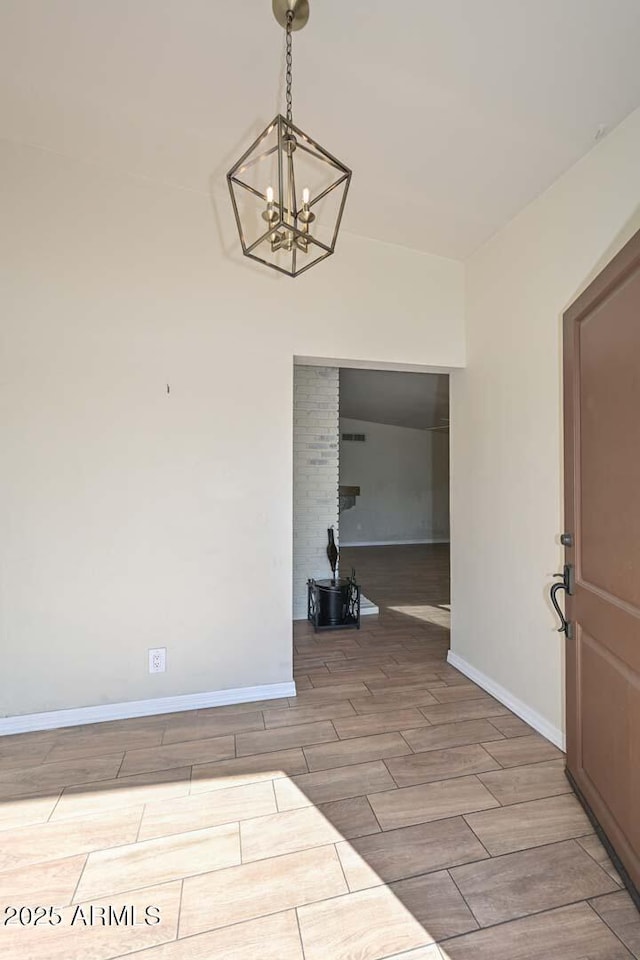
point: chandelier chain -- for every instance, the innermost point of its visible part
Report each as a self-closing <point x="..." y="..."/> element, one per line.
<point x="290" y="16"/>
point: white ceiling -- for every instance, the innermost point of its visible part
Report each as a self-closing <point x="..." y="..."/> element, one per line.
<point x="418" y="400"/>
<point x="453" y="114"/>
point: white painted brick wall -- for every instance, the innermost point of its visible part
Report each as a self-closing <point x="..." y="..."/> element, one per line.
<point x="316" y="428"/>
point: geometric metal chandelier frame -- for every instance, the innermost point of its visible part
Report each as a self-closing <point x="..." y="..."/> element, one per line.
<point x="288" y="192"/>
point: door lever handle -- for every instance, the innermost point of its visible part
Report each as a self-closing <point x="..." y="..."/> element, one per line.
<point x="567" y="577"/>
<point x="564" y="625"/>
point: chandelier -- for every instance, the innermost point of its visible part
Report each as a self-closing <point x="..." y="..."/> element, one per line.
<point x="288" y="192"/>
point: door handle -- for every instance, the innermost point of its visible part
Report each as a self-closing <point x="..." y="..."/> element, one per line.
<point x="567" y="584"/>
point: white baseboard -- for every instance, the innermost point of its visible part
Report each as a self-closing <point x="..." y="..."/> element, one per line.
<point x="388" y="543"/>
<point x="532" y="717"/>
<point x="143" y="708"/>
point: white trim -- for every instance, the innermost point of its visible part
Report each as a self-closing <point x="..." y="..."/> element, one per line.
<point x="143" y="708"/>
<point x="374" y="365"/>
<point x="368" y="607"/>
<point x="389" y="543"/>
<point x="526" y="713"/>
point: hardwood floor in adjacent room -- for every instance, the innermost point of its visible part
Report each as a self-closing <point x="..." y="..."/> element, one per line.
<point x="391" y="811"/>
<point x="408" y="579"/>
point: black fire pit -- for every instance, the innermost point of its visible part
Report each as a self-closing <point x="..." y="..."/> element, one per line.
<point x="334" y="604"/>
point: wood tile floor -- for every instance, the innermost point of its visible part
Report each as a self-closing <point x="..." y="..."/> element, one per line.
<point x="391" y="810"/>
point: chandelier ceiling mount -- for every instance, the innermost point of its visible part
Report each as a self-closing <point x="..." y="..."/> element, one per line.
<point x="299" y="9"/>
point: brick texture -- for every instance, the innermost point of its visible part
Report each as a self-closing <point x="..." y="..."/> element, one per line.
<point x="315" y="475"/>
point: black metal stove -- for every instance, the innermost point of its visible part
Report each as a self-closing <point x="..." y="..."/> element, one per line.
<point x="334" y="604"/>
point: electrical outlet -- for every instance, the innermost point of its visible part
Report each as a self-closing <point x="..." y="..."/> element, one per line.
<point x="157" y="660"/>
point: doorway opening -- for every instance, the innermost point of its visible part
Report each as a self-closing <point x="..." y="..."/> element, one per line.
<point x="394" y="491"/>
<point x="371" y="461"/>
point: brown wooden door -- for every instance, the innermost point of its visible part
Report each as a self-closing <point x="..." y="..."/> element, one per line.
<point x="602" y="509"/>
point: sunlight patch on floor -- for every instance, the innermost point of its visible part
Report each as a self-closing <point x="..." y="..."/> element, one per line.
<point x="426" y="613"/>
<point x="362" y="909"/>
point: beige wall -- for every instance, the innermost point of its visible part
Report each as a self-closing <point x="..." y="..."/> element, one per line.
<point x="133" y="517"/>
<point x="506" y="419"/>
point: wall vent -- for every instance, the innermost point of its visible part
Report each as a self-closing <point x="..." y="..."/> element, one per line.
<point x="354" y="437"/>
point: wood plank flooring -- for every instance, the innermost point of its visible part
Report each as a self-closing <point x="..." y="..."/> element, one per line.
<point x="391" y="811"/>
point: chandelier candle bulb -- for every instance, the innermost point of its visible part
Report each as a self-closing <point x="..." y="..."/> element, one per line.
<point x="279" y="233"/>
<point x="270" y="215"/>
